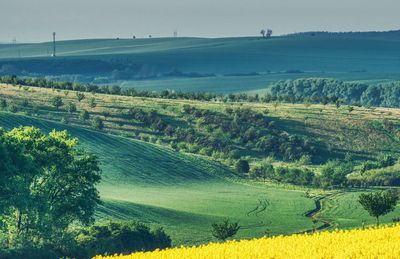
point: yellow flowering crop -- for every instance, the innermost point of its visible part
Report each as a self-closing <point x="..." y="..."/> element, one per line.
<point x="371" y="243"/>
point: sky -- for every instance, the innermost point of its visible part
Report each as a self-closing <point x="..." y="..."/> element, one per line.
<point x="35" y="20"/>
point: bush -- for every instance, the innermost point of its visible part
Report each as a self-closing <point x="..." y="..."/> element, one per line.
<point x="97" y="123"/>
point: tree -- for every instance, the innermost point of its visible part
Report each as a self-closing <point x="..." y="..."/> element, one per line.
<point x="84" y="115"/>
<point x="57" y="102"/>
<point x="80" y="96"/>
<point x="242" y="166"/>
<point x="48" y="183"/>
<point x="269" y="33"/>
<point x="71" y="107"/>
<point x="224" y="230"/>
<point x="264" y="171"/>
<point x="263" y="32"/>
<point x="97" y="123"/>
<point x="379" y="203"/>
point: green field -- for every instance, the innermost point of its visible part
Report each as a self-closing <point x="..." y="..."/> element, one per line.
<point x="186" y="193"/>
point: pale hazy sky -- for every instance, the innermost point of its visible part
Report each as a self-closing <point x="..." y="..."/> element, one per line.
<point x="35" y="20"/>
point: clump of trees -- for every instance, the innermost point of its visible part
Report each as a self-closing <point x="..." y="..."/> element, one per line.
<point x="48" y="199"/>
<point x="297" y="176"/>
<point x="119" y="237"/>
<point x="321" y="90"/>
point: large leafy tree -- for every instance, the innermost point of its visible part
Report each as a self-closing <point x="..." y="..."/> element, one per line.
<point x="46" y="184"/>
<point x="379" y="203"/>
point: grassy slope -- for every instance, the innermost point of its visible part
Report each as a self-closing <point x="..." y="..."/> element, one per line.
<point x="339" y="57"/>
<point x="185" y="194"/>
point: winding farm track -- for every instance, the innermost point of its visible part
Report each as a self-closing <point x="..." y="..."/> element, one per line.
<point x="314" y="212"/>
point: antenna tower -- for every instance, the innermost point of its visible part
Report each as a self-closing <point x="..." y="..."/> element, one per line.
<point x="54" y="44"/>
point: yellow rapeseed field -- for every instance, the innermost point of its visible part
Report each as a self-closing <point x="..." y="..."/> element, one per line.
<point x="371" y="243"/>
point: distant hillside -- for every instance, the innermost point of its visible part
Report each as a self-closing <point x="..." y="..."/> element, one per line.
<point x="218" y="65"/>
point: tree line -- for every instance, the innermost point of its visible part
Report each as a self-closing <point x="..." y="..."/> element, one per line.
<point x="307" y="90"/>
<point x="321" y="90"/>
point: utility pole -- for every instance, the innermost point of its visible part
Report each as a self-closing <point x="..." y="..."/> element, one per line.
<point x="54" y="44"/>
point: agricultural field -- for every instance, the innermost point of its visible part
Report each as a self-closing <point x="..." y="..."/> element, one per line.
<point x="375" y="243"/>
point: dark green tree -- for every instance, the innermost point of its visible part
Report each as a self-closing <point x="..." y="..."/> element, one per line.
<point x="379" y="203"/>
<point x="242" y="166"/>
<point x="46" y="184"/>
<point x="224" y="230"/>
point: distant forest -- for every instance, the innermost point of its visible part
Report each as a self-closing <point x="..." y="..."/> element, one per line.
<point x="317" y="89"/>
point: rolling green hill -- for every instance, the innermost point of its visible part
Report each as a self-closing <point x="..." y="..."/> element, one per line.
<point x="219" y="65"/>
<point x="182" y="193"/>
